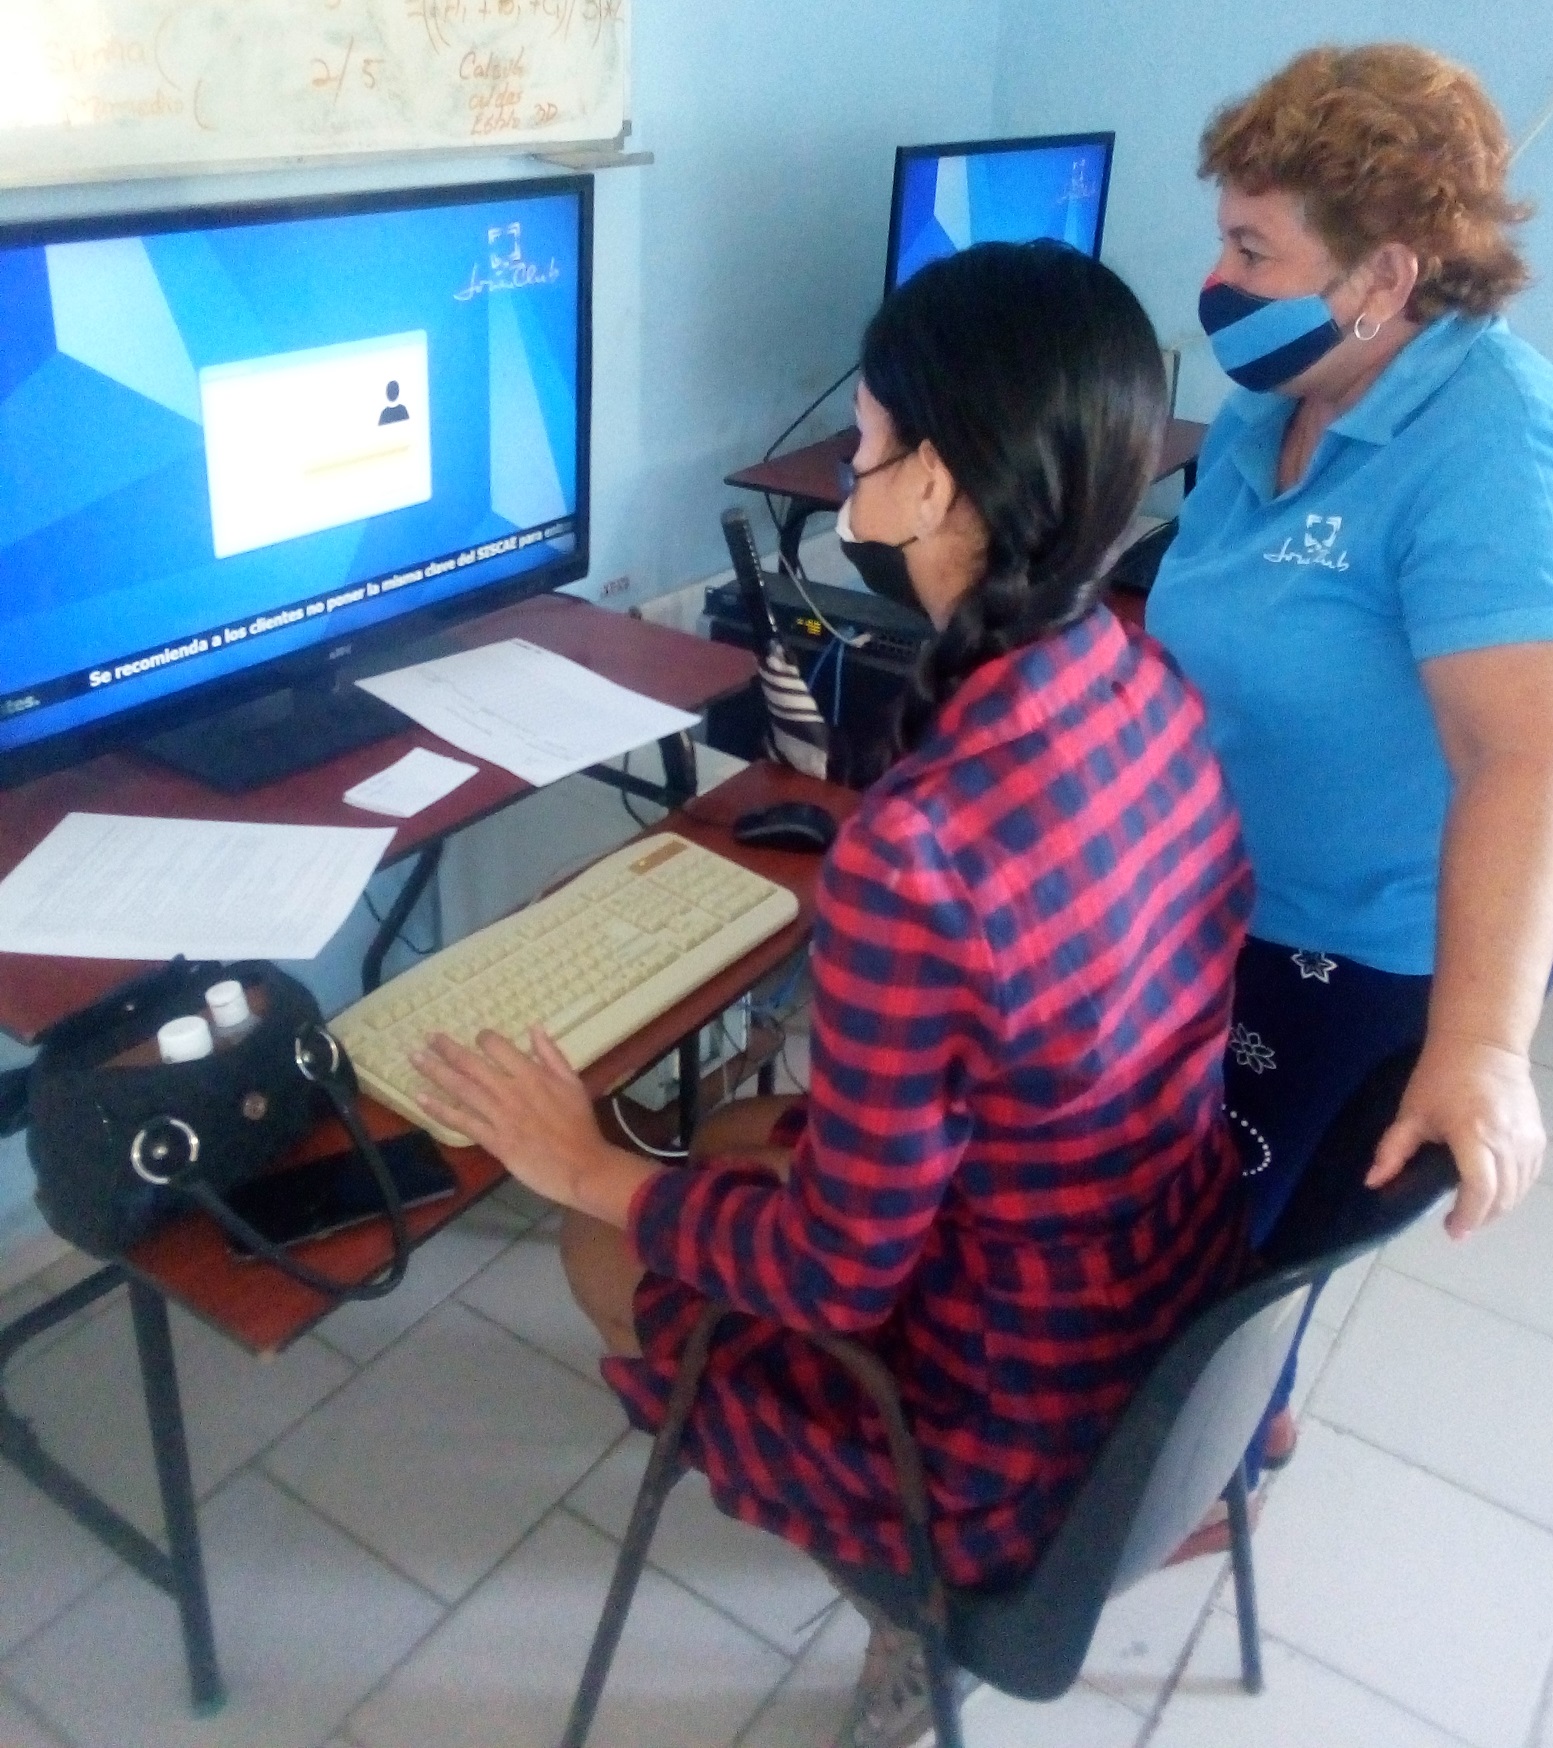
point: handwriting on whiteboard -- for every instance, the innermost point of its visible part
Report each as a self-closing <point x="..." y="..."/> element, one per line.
<point x="88" y="84"/>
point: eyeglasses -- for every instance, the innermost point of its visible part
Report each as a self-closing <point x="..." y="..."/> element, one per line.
<point x="847" y="475"/>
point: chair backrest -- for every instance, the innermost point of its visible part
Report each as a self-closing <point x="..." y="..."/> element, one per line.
<point x="1176" y="1447"/>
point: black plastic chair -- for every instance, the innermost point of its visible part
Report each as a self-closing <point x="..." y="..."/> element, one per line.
<point x="1180" y="1445"/>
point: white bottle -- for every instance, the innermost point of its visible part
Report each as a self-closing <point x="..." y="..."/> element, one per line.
<point x="228" y="1004"/>
<point x="185" y="1039"/>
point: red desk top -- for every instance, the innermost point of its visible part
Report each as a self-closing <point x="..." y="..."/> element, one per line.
<point x="664" y="664"/>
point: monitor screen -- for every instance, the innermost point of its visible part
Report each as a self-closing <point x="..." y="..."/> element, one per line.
<point x="234" y="438"/>
<point x="996" y="191"/>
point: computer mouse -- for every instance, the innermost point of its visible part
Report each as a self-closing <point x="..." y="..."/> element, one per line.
<point x="787" y="825"/>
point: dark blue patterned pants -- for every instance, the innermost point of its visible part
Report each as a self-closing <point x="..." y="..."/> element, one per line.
<point x="1308" y="1028"/>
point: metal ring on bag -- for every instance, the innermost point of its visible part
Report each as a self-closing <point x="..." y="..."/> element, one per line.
<point x="304" y="1056"/>
<point x="138" y="1145"/>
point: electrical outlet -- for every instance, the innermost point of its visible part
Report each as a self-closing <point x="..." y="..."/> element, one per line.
<point x="615" y="586"/>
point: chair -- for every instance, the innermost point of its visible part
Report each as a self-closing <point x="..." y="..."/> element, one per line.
<point x="1180" y="1445"/>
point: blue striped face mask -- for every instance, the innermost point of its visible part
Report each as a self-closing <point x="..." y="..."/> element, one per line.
<point x="1261" y="342"/>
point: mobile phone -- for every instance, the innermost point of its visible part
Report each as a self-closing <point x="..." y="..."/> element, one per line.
<point x="326" y="1195"/>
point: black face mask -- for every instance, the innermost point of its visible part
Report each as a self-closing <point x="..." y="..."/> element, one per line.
<point x="881" y="565"/>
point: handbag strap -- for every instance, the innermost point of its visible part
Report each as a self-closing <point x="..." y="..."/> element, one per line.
<point x="319" y="1059"/>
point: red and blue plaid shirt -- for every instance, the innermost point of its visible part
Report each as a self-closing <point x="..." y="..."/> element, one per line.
<point x="1015" y="1181"/>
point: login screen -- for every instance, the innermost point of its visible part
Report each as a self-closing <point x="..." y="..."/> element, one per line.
<point x="220" y="444"/>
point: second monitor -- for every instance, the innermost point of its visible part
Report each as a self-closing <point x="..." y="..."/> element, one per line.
<point x="948" y="197"/>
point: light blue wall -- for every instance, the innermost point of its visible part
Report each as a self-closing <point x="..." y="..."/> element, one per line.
<point x="1155" y="69"/>
<point x="732" y="277"/>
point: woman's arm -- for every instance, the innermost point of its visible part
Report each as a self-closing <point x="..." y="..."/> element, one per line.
<point x="901" y="1005"/>
<point x="1472" y="1088"/>
<point x="533" y="1114"/>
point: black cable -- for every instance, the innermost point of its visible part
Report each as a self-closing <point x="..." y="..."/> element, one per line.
<point x="818" y="401"/>
<point x="399" y="934"/>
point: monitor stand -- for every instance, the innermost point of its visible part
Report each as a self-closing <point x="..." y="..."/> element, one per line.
<point x="276" y="736"/>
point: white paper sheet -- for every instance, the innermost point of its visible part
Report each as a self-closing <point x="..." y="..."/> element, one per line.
<point x="410" y="784"/>
<point x="111" y="886"/>
<point x="526" y="709"/>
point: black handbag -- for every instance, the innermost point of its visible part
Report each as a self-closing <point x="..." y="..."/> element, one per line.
<point x="122" y="1144"/>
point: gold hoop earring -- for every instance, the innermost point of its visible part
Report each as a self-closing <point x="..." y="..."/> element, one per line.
<point x="1358" y="329"/>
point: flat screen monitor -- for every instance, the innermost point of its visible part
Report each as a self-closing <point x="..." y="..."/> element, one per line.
<point x="996" y="191"/>
<point x="239" y="445"/>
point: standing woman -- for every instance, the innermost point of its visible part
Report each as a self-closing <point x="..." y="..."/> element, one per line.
<point x="1362" y="590"/>
<point x="1012" y="1177"/>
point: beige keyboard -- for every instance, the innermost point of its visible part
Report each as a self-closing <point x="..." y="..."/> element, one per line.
<point x="592" y="963"/>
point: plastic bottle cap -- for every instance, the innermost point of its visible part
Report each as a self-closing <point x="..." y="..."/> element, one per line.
<point x="185" y="1039"/>
<point x="228" y="1004"/>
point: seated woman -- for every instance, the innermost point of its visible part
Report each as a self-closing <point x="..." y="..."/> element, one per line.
<point x="1011" y="1176"/>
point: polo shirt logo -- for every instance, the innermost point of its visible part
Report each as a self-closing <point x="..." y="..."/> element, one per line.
<point x="1321" y="534"/>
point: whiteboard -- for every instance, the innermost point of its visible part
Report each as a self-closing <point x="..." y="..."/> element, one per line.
<point x="108" y="88"/>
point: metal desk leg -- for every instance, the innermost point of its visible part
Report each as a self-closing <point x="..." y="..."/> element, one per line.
<point x="679" y="769"/>
<point x="409" y="896"/>
<point x="164" y="1410"/>
<point x="689" y="1086"/>
<point x="790" y="538"/>
<point x="181" y="1574"/>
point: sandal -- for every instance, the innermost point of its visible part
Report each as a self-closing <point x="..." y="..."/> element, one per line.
<point x="892" y="1707"/>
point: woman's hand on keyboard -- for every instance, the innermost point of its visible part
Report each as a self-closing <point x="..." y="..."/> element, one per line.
<point x="532" y="1112"/>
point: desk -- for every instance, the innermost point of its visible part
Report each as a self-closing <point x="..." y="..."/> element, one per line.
<point x="664" y="664"/>
<point x="808" y="477"/>
<point x="188" y="1262"/>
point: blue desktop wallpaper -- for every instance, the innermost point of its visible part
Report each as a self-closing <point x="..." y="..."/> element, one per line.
<point x="107" y="545"/>
<point x="1004" y="196"/>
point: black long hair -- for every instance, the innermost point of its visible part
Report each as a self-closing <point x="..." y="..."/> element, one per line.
<point x="1036" y="375"/>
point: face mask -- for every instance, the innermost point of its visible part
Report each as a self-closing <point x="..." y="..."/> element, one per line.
<point x="881" y="565"/>
<point x="1263" y="341"/>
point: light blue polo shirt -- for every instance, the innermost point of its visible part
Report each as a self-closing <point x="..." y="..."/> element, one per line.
<point x="1423" y="527"/>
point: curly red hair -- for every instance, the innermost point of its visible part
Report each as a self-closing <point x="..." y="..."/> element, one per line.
<point x="1386" y="143"/>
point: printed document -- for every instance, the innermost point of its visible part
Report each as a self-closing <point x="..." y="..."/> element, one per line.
<point x="114" y="886"/>
<point x="410" y="784"/>
<point x="526" y="709"/>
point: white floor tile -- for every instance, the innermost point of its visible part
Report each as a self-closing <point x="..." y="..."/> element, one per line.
<point x="1410" y="1586"/>
<point x="526" y="1291"/>
<point x="502" y="1672"/>
<point x="46" y="1560"/>
<point x="811" y="1705"/>
<point x="758" y="1578"/>
<point x="306" y="1624"/>
<point x="84" y="1398"/>
<point x="20" y="1729"/>
<point x="437" y="1270"/>
<point x="1304" y="1704"/>
<point x="1505" y="1267"/>
<point x="1143" y="1632"/>
<point x="1082" y="1718"/>
<point x="448" y="1448"/>
<point x="1338" y="1296"/>
<point x="1458" y="1390"/>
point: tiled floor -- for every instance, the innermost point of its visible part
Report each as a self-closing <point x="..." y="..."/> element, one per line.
<point x="410" y="1518"/>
